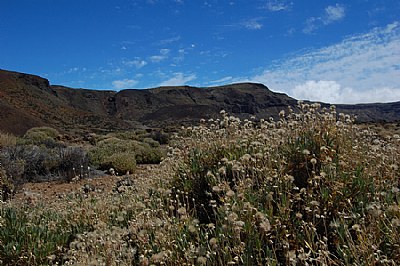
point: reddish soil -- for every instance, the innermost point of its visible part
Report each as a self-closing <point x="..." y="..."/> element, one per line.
<point x="49" y="191"/>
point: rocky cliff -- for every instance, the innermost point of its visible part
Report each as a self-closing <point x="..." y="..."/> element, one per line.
<point x="27" y="101"/>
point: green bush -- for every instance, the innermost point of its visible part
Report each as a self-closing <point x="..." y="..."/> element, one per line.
<point x="125" y="135"/>
<point x="144" y="153"/>
<point x="100" y="154"/>
<point x="122" y="162"/>
<point x="153" y="143"/>
<point x="39" y="134"/>
<point x="160" y="136"/>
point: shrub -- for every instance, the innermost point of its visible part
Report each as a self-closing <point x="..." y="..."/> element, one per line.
<point x="41" y="133"/>
<point x="145" y="154"/>
<point x="23" y="163"/>
<point x="122" y="162"/>
<point x="73" y="161"/>
<point x="7" y="139"/>
<point x="153" y="143"/>
<point x="101" y="153"/>
<point x="160" y="136"/>
<point x="125" y="135"/>
<point x="32" y="163"/>
<point x="6" y="186"/>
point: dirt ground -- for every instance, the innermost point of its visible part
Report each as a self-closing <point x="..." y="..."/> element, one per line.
<point x="49" y="191"/>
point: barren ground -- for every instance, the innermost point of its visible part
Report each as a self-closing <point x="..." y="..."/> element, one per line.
<point x="49" y="191"/>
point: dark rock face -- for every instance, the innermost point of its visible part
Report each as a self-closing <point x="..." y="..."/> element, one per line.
<point x="377" y="112"/>
<point x="27" y="101"/>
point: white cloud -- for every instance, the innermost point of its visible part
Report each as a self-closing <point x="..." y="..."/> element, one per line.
<point x="162" y="56"/>
<point x="139" y="63"/>
<point x="124" y="84"/>
<point x="180" y="57"/>
<point x="157" y="58"/>
<point x="136" y="63"/>
<point x="332" y="14"/>
<point x="223" y="80"/>
<point x="311" y="25"/>
<point x="169" y="40"/>
<point x="178" y="79"/>
<point x="252" y="24"/>
<point x="72" y="70"/>
<point x="322" y="90"/>
<point x="277" y="5"/>
<point x="164" y="51"/>
<point x="361" y="68"/>
<point x="332" y="92"/>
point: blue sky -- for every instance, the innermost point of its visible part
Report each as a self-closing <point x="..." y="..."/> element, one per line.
<point x="333" y="51"/>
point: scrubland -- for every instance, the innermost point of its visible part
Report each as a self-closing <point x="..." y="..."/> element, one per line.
<point x="312" y="188"/>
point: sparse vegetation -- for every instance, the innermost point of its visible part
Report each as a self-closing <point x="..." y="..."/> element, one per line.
<point x="7" y="140"/>
<point x="311" y="189"/>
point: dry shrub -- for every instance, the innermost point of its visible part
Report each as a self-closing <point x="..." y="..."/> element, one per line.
<point x="7" y="139"/>
<point x="33" y="163"/>
<point x="6" y="186"/>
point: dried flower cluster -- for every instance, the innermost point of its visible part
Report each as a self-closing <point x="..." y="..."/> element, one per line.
<point x="312" y="188"/>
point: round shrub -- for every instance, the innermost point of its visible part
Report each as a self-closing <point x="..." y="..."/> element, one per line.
<point x="122" y="162"/>
<point x="144" y="153"/>
<point x="153" y="143"/>
<point x="104" y="149"/>
<point x="160" y="137"/>
<point x="40" y="134"/>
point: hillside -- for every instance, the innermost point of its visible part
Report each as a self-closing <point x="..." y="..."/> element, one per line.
<point x="27" y="101"/>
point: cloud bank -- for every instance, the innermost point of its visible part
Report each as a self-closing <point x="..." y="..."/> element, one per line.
<point x="362" y="68"/>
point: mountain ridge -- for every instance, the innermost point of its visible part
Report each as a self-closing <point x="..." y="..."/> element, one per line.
<point x="28" y="100"/>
